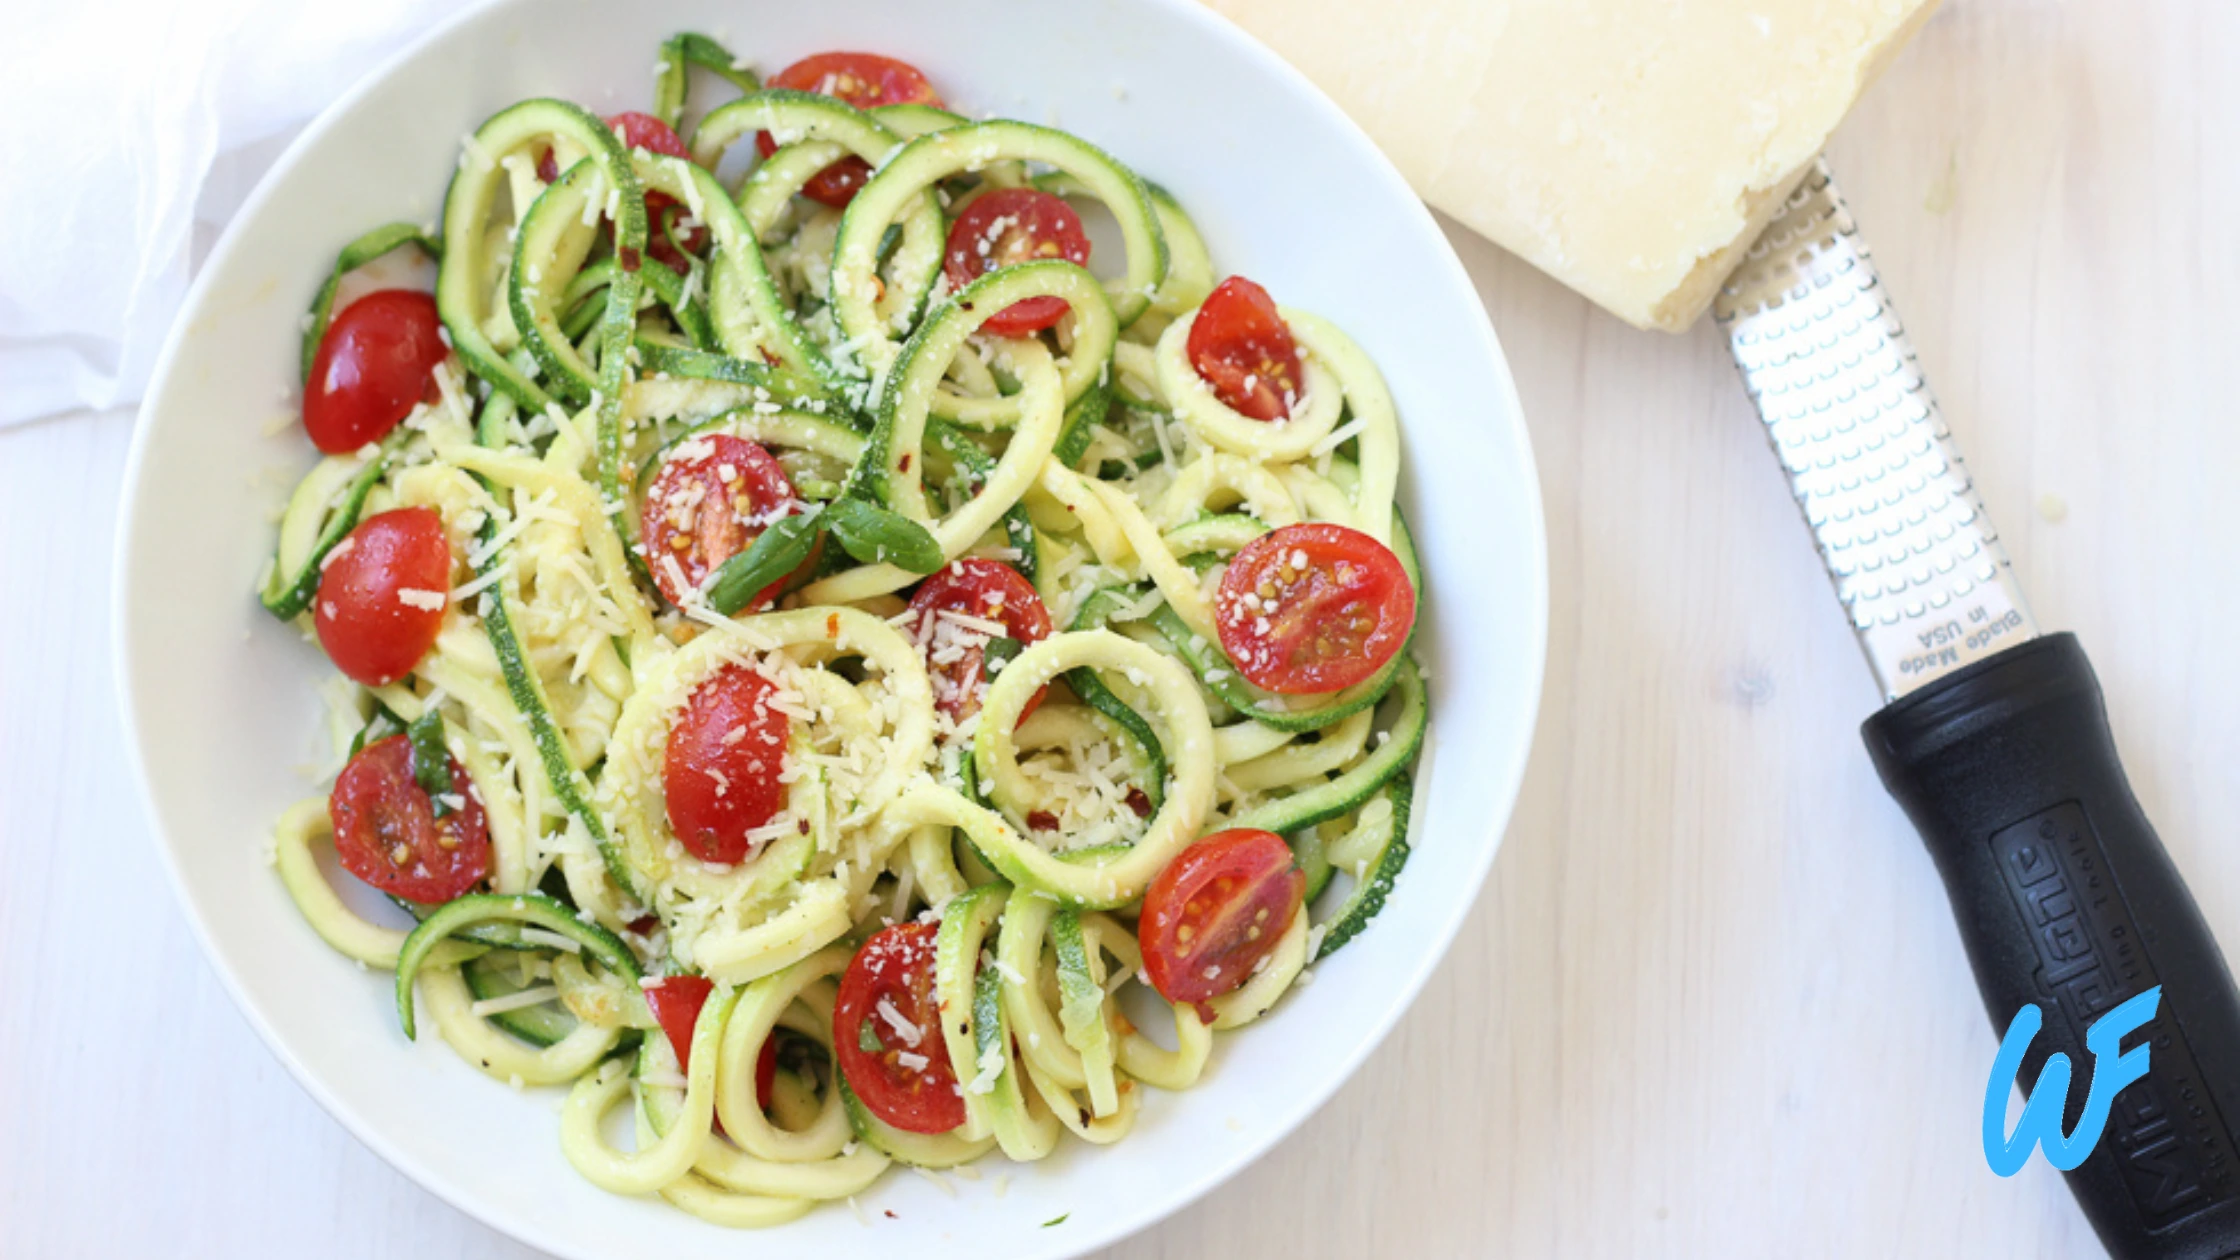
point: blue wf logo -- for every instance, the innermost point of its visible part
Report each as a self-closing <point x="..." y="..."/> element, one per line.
<point x="2041" y="1110"/>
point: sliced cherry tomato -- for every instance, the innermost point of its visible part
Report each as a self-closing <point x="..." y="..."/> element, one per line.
<point x="1241" y="346"/>
<point x="644" y="131"/>
<point x="886" y="1029"/>
<point x="1010" y="226"/>
<point x="676" y="1003"/>
<point x="1216" y="911"/>
<point x="982" y="590"/>
<point x="386" y="831"/>
<point x="382" y="594"/>
<point x="720" y="772"/>
<point x="375" y="363"/>
<point x="862" y="80"/>
<point x="713" y="497"/>
<point x="1312" y="608"/>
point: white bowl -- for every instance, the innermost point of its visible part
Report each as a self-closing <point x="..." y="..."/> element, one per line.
<point x="220" y="699"/>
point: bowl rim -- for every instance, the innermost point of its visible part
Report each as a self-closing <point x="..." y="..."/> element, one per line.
<point x="1507" y="777"/>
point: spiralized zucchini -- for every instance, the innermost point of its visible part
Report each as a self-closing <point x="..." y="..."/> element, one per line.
<point x="1091" y="457"/>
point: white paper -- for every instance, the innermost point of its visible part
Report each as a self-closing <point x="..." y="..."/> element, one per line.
<point x="130" y="133"/>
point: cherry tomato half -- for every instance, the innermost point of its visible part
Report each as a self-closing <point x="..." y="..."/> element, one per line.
<point x="387" y="834"/>
<point x="713" y="497"/>
<point x="676" y="1003"/>
<point x="886" y="1030"/>
<point x="382" y="594"/>
<point x="983" y="590"/>
<point x="1242" y="348"/>
<point x="720" y="771"/>
<point x="644" y="131"/>
<point x="1216" y="911"/>
<point x="375" y="363"/>
<point x="1009" y="226"/>
<point x="863" y="80"/>
<point x="1312" y="608"/>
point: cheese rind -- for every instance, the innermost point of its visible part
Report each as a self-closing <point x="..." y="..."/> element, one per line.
<point x="1632" y="149"/>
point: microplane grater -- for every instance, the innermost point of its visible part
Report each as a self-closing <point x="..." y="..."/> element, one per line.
<point x="1904" y="535"/>
<point x="1995" y="740"/>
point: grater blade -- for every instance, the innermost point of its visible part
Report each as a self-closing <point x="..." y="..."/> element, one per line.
<point x="1903" y="534"/>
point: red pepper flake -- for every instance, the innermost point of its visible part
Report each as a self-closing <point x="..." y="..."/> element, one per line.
<point x="832" y="625"/>
<point x="548" y="167"/>
<point x="645" y="926"/>
<point x="769" y="358"/>
<point x="629" y="258"/>
<point x="1042" y="820"/>
<point x="904" y="466"/>
<point x="1138" y="802"/>
<point x="891" y="1216"/>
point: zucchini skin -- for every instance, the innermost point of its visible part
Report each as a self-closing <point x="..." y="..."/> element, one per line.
<point x="537" y="1025"/>
<point x="1018" y="527"/>
<point x="1346" y="793"/>
<point x="459" y="289"/>
<point x="1095" y="612"/>
<point x="527" y="691"/>
<point x="383" y="240"/>
<point x="534" y="909"/>
<point x="940" y="154"/>
<point x="918" y="1150"/>
<point x="679" y="53"/>
<point x="286" y="597"/>
<point x="701" y="364"/>
<point x="1368" y="896"/>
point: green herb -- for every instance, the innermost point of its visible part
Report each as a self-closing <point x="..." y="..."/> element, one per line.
<point x="431" y="761"/>
<point x="778" y="551"/>
<point x="876" y="535"/>
<point x="867" y="1040"/>
<point x="999" y="652"/>
<point x="379" y="727"/>
<point x="1056" y="1220"/>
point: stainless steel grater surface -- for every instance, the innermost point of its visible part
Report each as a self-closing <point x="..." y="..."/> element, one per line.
<point x="1900" y="527"/>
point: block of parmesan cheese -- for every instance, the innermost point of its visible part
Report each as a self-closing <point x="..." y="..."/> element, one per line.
<point x="1630" y="148"/>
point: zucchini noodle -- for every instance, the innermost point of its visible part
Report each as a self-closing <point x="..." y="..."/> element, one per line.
<point x="1092" y="457"/>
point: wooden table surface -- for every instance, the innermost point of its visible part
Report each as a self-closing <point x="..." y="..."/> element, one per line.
<point x="1712" y="1002"/>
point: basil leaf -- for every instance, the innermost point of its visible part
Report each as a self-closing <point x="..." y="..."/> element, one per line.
<point x="876" y="535"/>
<point x="999" y="652"/>
<point x="431" y="761"/>
<point x="778" y="551"/>
<point x="379" y="727"/>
